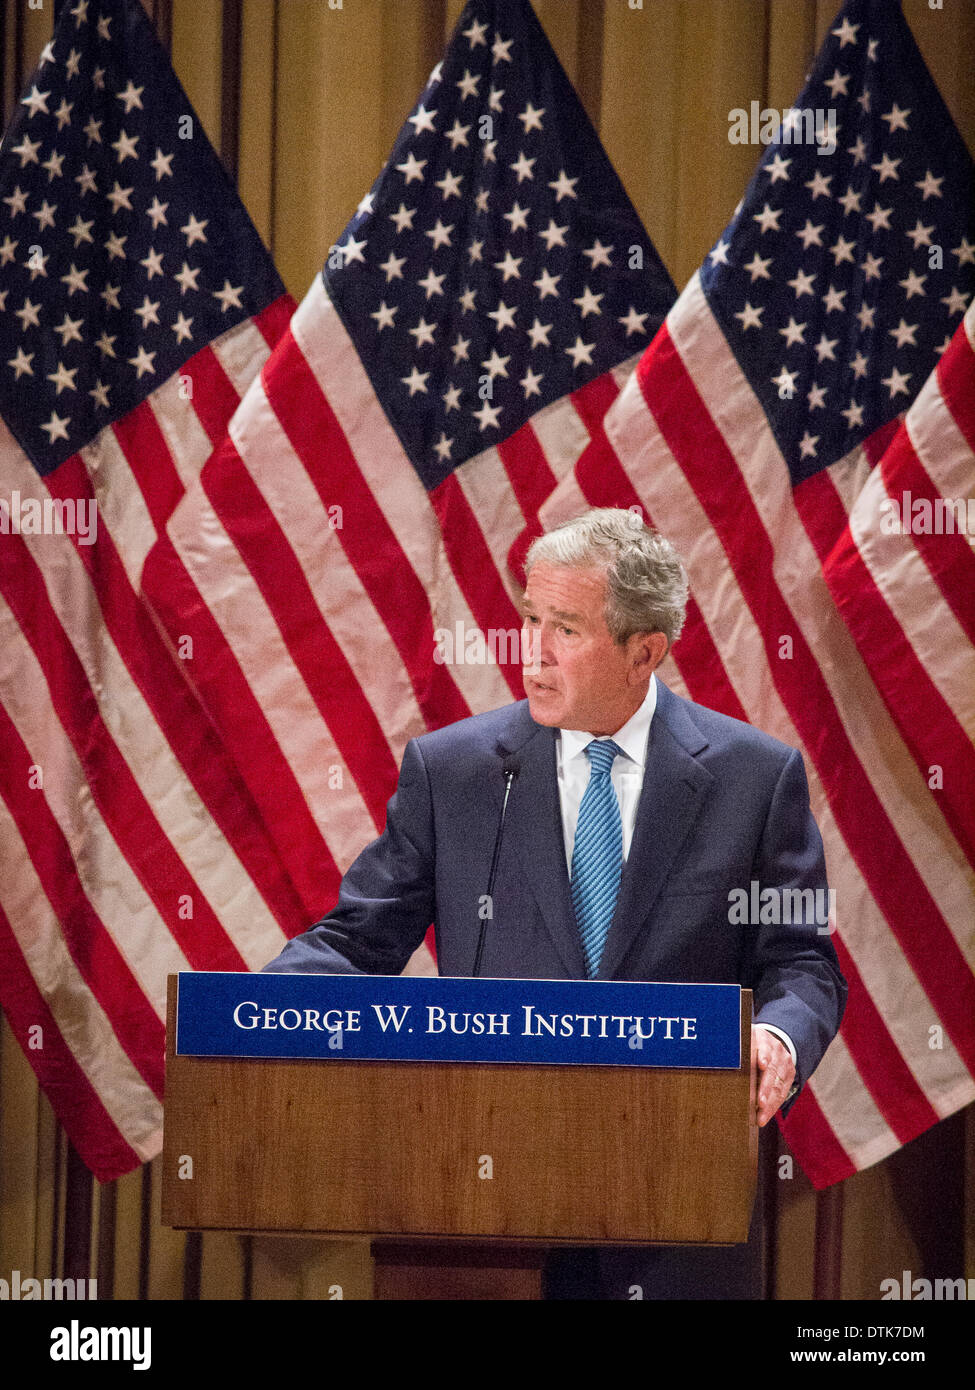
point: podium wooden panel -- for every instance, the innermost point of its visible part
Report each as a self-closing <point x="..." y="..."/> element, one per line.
<point x="400" y="1150"/>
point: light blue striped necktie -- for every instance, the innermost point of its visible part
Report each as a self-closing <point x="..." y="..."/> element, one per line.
<point x="597" y="854"/>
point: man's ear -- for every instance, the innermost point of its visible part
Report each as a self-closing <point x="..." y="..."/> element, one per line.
<point x="647" y="650"/>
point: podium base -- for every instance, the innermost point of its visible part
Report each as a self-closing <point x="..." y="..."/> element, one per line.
<point x="455" y="1271"/>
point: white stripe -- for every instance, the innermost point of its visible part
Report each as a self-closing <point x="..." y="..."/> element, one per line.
<point x="114" y="891"/>
<point x="898" y="784"/>
<point x="188" y="442"/>
<point x="849" y="475"/>
<point x="663" y="487"/>
<point x="237" y="606"/>
<point x="241" y="352"/>
<point x="851" y="1111"/>
<point x="82" y="1022"/>
<point x="941" y="448"/>
<point x="210" y="860"/>
<point x="345" y="607"/>
<point x="121" y="506"/>
<point x="388" y="473"/>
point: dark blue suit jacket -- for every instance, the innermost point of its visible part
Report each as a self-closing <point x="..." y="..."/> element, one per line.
<point x="722" y="805"/>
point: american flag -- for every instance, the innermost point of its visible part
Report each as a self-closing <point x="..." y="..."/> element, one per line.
<point x="751" y="432"/>
<point x="379" y="485"/>
<point x="138" y="303"/>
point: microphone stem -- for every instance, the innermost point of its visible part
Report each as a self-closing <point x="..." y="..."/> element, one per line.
<point x="509" y="778"/>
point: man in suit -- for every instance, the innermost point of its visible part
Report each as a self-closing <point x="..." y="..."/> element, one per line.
<point x="634" y="824"/>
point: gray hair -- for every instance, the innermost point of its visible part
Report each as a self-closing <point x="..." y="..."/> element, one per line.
<point x="646" y="580"/>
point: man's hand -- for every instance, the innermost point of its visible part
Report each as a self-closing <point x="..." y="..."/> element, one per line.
<point x="776" y="1072"/>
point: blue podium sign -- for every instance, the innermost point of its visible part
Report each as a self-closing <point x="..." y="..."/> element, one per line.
<point x="452" y="1019"/>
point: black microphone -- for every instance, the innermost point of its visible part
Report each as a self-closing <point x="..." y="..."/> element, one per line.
<point x="510" y="767"/>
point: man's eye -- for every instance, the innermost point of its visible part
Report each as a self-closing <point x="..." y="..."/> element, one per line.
<point x="530" y="618"/>
<point x="570" y="630"/>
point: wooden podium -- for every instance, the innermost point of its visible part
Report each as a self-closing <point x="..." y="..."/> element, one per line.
<point x="460" y="1174"/>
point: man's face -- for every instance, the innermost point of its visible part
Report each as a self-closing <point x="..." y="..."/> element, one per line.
<point x="580" y="678"/>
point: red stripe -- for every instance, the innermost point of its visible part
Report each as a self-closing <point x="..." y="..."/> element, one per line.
<point x="247" y="735"/>
<point x="87" y="1123"/>
<point x="809" y="1133"/>
<point x="144" y="445"/>
<point x="949" y="558"/>
<point x="183" y="721"/>
<point x="821" y="511"/>
<point x="115" y="792"/>
<point x="475" y="571"/>
<point x="369" y="541"/>
<point x="532" y="481"/>
<point x="926" y="721"/>
<point x="956" y="377"/>
<point x="879" y="1060"/>
<point x="214" y="396"/>
<point x="273" y="321"/>
<point x="99" y="961"/>
<point x="330" y="679"/>
<point x="894" y="882"/>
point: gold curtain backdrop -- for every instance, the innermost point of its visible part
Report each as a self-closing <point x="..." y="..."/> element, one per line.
<point x="303" y="98"/>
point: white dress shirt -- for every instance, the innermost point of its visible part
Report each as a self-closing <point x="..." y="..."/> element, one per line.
<point x="627" y="777"/>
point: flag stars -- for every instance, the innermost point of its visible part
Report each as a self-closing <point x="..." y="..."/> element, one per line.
<point x="37" y="265"/>
<point x="501" y="49"/>
<point x="80" y="12"/>
<point x="98" y="79"/>
<point x="457" y="134"/>
<point x="819" y="184"/>
<point x="481" y="200"/>
<point x="553" y="235"/>
<point x="106" y="344"/>
<point x="719" y="255"/>
<point x="142" y="362"/>
<point x="110" y="295"/>
<point x="120" y="198"/>
<point x="531" y="117"/>
<point x="27" y="149"/>
<point x="433" y="284"/>
<point x="518" y="218"/>
<point x="896" y="118"/>
<point x="538" y="333"/>
<point x="580" y="352"/>
<point x="786" y="382"/>
<point x="16" y="201"/>
<point x="865" y="316"/>
<point x="351" y="250"/>
<point x="475" y="252"/>
<point x="131" y="98"/>
<point x="152" y="262"/>
<point x="476" y="34"/>
<point x="439" y="234"/>
<point x="7" y="251"/>
<point x="965" y="252"/>
<point x="816" y="396"/>
<point x="751" y="316"/>
<point x="824" y="349"/>
<point x="415" y="382"/>
<point x="778" y="168"/>
<point x="393" y="266"/>
<point x="21" y="363"/>
<point x="99" y="394"/>
<point x="403" y="218"/>
<point x="853" y="414"/>
<point x="443" y="447"/>
<point x="838" y="84"/>
<point x="186" y="279"/>
<point x="929" y="186"/>
<point x="422" y="120"/>
<point x="588" y="303"/>
<point x="871" y="266"/>
<point x="807" y="445"/>
<point x="461" y="350"/>
<point x="29" y="315"/>
<point x="879" y="218"/>
<point x="93" y="129"/>
<point x="504" y="317"/>
<point x="904" y="334"/>
<point x="886" y="168"/>
<point x="44" y="215"/>
<point x="530" y="383"/>
<point x="449" y="185"/>
<point x="546" y="284"/>
<point x="913" y="284"/>
<point x="182" y="328"/>
<point x="162" y="164"/>
<point x="103" y="27"/>
<point x="810" y="235"/>
<point x="56" y="427"/>
<point x="896" y="383"/>
<point x="148" y="312"/>
<point x="758" y="266"/>
<point x="842" y="250"/>
<point x="37" y="101"/>
<point x="466" y="300"/>
<point x="494" y="99"/>
<point x="229" y="296"/>
<point x="487" y="416"/>
<point x="86" y="181"/>
<point x="71" y="64"/>
<point x="858" y="366"/>
<point x="564" y="187"/>
<point x="495" y="365"/>
<point x="451" y="398"/>
<point x="920" y="235"/>
<point x="509" y="267"/>
<point x="53" y="164"/>
<point x="70" y="330"/>
<point x="467" y="85"/>
<point x="412" y="168"/>
<point x="846" y="33"/>
<point x="833" y="300"/>
<point x="523" y="166"/>
<point x="850" y="201"/>
<point x="385" y="315"/>
<point x="63" y="378"/>
<point x="793" y="332"/>
<point x="598" y="255"/>
<point x="423" y="333"/>
<point x="955" y="301"/>
<point x="863" y="101"/>
<point x="194" y="230"/>
<point x="156" y="213"/>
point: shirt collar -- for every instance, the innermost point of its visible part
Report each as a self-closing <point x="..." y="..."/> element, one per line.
<point x="631" y="739"/>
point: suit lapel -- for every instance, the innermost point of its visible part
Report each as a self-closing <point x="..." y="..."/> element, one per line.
<point x="674" y="787"/>
<point x="535" y="827"/>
